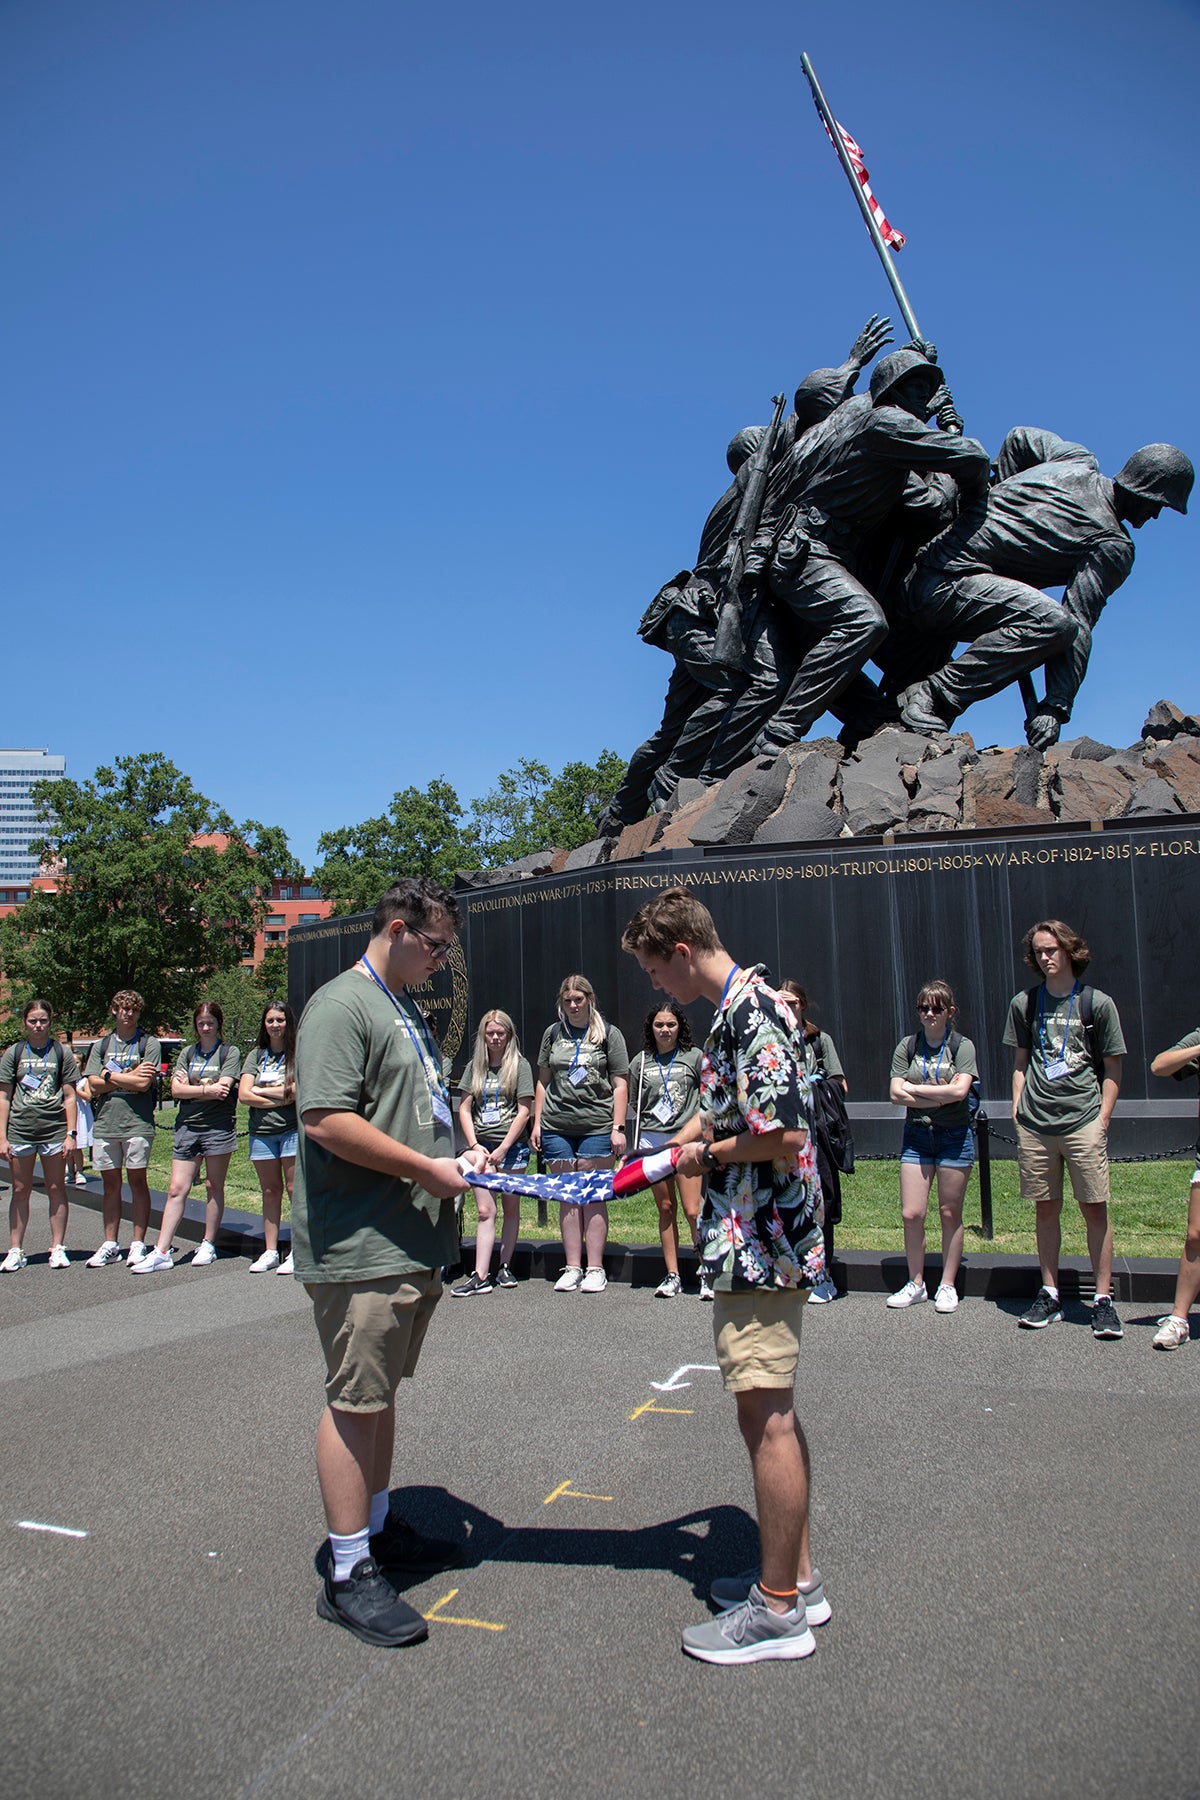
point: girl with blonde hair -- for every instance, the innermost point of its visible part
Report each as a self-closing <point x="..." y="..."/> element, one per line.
<point x="496" y="1104"/>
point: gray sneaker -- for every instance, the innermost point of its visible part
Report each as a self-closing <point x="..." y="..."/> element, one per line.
<point x="750" y="1633"/>
<point x="734" y="1590"/>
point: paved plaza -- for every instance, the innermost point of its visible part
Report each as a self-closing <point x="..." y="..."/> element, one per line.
<point x="1004" y="1519"/>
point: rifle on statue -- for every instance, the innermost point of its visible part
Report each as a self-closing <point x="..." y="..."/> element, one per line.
<point x="728" y="645"/>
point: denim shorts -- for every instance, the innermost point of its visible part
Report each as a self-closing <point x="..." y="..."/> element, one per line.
<point x="515" y="1157"/>
<point x="945" y="1146"/>
<point x="272" y="1149"/>
<point x="569" y="1149"/>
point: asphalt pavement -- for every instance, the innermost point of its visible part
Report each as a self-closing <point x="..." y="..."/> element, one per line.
<point x="1001" y="1517"/>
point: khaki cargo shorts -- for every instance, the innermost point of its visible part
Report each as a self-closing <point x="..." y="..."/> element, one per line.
<point x="758" y="1337"/>
<point x="371" y="1333"/>
<point x="1042" y="1158"/>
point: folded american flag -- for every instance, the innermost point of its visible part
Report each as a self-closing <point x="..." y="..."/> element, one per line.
<point x="578" y="1187"/>
<point x="895" y="239"/>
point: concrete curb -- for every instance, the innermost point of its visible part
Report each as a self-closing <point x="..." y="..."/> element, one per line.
<point x="985" y="1275"/>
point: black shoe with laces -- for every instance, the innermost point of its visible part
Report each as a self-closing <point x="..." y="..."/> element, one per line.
<point x="1105" y="1322"/>
<point x="400" y="1549"/>
<point x="1045" y="1310"/>
<point x="474" y="1284"/>
<point x="505" y="1277"/>
<point x="367" y="1605"/>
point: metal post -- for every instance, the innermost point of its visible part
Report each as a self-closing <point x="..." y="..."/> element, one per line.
<point x="889" y="267"/>
<point x="985" y="1173"/>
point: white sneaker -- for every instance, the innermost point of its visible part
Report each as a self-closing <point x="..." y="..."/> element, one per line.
<point x="668" y="1288"/>
<point x="706" y="1287"/>
<point x="13" y="1262"/>
<point x="207" y="1253"/>
<point x="569" y="1282"/>
<point x="153" y="1261"/>
<point x="1171" y="1333"/>
<point x="594" y="1282"/>
<point x="264" y="1264"/>
<point x="58" y="1257"/>
<point x="135" y="1253"/>
<point x="287" y="1266"/>
<point x="913" y="1293"/>
<point x="109" y="1252"/>
<point x="80" y="1180"/>
<point x="823" y="1293"/>
<point x="946" y="1299"/>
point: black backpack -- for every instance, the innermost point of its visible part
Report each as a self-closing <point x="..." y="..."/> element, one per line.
<point x="953" y="1040"/>
<point x="1086" y="1019"/>
<point x="831" y="1118"/>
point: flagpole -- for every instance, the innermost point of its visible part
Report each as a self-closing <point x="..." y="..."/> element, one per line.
<point x="889" y="266"/>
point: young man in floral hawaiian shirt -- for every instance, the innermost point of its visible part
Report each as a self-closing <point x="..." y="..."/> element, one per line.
<point x="760" y="1232"/>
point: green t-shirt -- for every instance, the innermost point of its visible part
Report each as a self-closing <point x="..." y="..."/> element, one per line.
<point x="1056" y="1104"/>
<point x="204" y="1071"/>
<point x="493" y="1115"/>
<point x="122" y="1114"/>
<point x="935" y="1067"/>
<point x="683" y="1090"/>
<point x="584" y="1108"/>
<point x="820" y="1051"/>
<point x="38" y="1115"/>
<point x="270" y="1121"/>
<point x="356" y="1053"/>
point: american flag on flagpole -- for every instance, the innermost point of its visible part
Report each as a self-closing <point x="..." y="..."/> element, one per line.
<point x="895" y="240"/>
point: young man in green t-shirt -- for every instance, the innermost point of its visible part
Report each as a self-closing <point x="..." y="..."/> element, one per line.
<point x="372" y="1225"/>
<point x="122" y="1075"/>
<point x="1061" y="1108"/>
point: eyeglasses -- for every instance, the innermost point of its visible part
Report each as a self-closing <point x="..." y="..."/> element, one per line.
<point x="439" y="948"/>
<point x="932" y="1010"/>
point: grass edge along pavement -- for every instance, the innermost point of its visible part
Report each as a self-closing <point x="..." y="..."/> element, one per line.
<point x="1149" y="1208"/>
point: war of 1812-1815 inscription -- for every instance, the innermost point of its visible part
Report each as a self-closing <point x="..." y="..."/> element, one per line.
<point x="867" y="527"/>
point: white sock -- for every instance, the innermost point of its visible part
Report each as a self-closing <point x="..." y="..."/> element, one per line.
<point x="347" y="1551"/>
<point x="1053" y="1292"/>
<point x="379" y="1511"/>
<point x="1100" y="1297"/>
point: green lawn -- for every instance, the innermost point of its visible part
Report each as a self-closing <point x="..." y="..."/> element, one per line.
<point x="1149" y="1207"/>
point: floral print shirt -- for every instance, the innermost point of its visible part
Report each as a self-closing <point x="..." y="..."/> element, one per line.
<point x="761" y="1222"/>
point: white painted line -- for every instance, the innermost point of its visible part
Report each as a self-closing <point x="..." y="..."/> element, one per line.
<point x="58" y="1530"/>
<point x="673" y="1381"/>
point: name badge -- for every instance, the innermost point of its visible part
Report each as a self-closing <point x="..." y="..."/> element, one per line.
<point x="31" y="1082"/>
<point x="1056" y="1070"/>
<point x="490" y="1115"/>
<point x="663" y="1111"/>
<point x="578" y="1075"/>
<point x="112" y="1066"/>
<point x="441" y="1111"/>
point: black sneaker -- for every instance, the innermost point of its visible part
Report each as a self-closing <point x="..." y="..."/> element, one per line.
<point x="1105" y="1322"/>
<point x="370" y="1607"/>
<point x="474" y="1284"/>
<point x="1045" y="1310"/>
<point x="400" y="1549"/>
<point x="505" y="1277"/>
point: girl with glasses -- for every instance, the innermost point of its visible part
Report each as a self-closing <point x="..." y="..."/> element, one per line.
<point x="932" y="1072"/>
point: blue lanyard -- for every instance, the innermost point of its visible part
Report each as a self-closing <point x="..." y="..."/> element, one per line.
<point x="925" y="1058"/>
<point x="270" y="1077"/>
<point x="578" y="1045"/>
<point x="1042" y="1022"/>
<point x="496" y="1101"/>
<point x="31" y="1067"/>
<point x="736" y="970"/>
<point x="429" y="1061"/>
<point x="123" y="1052"/>
<point x="215" y="1051"/>
<point x="665" y="1079"/>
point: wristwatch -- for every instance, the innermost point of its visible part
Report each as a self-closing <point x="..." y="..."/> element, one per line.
<point x="708" y="1158"/>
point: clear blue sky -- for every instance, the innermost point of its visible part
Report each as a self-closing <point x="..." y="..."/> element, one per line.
<point x="366" y="368"/>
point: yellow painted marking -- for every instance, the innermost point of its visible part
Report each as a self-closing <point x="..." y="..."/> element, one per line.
<point x="437" y="1617"/>
<point x="649" y="1406"/>
<point x="564" y="1490"/>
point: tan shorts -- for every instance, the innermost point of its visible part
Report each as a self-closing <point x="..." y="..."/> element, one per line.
<point x="108" y="1153"/>
<point x="758" y="1337"/>
<point x="371" y="1333"/>
<point x="1042" y="1158"/>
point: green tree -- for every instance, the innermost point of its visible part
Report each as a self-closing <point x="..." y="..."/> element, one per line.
<point x="567" y="813"/>
<point x="420" y="834"/>
<point x="531" y="809"/>
<point x="242" y="996"/>
<point x="140" y="902"/>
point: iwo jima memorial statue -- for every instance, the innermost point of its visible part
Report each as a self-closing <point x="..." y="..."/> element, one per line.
<point x="866" y="528"/>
